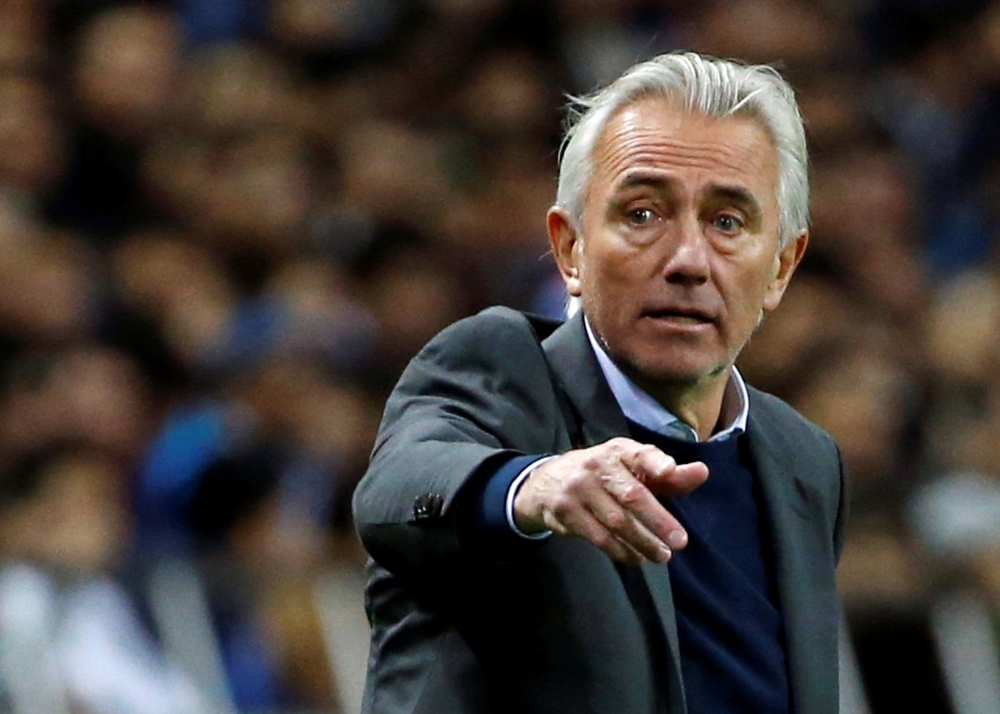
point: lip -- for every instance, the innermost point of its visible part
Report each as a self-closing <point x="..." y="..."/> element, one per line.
<point x="677" y="322"/>
<point x="679" y="316"/>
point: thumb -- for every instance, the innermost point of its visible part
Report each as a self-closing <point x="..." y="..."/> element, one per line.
<point x="683" y="479"/>
<point x="660" y="473"/>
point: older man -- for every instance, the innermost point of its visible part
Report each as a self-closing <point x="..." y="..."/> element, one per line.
<point x="602" y="516"/>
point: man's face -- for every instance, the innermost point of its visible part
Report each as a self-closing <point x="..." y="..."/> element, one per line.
<point x="677" y="253"/>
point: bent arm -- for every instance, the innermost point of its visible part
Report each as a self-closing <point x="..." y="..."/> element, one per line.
<point x="476" y="396"/>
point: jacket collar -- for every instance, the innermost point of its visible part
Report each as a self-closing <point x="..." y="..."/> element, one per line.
<point x="575" y="367"/>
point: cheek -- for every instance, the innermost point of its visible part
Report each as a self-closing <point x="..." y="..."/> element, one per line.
<point x="616" y="286"/>
<point x="751" y="291"/>
<point x="607" y="293"/>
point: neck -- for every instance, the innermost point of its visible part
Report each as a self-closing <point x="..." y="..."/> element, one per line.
<point x="699" y="405"/>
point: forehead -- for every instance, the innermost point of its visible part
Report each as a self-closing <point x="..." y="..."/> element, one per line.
<point x="660" y="136"/>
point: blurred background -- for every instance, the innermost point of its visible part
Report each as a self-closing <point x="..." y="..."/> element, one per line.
<point x="226" y="225"/>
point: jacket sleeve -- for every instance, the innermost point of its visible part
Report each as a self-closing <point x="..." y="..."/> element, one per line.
<point x="478" y="395"/>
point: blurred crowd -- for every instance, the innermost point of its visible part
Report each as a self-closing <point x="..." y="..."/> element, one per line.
<point x="226" y="225"/>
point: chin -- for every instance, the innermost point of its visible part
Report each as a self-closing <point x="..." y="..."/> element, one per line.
<point x="677" y="373"/>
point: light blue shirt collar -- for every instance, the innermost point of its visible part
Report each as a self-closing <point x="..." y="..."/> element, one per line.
<point x="641" y="408"/>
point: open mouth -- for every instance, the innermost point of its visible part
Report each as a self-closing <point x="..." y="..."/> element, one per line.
<point x="683" y="317"/>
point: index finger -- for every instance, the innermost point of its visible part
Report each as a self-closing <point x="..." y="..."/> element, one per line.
<point x="638" y="500"/>
<point x="661" y="473"/>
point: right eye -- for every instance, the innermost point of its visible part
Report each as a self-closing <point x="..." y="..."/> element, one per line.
<point x="640" y="216"/>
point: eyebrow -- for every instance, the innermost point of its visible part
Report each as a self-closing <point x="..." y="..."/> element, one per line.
<point x="736" y="195"/>
<point x="634" y="179"/>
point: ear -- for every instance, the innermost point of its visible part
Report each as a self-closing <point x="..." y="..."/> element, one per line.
<point x="567" y="248"/>
<point x="785" y="263"/>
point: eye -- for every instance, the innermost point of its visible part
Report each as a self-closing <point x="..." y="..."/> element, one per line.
<point x="640" y="216"/>
<point x="728" y="223"/>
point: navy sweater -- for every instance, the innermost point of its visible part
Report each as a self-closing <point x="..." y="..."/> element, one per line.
<point x="729" y="622"/>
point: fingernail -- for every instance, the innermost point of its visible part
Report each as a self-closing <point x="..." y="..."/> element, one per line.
<point x="665" y="554"/>
<point x="677" y="539"/>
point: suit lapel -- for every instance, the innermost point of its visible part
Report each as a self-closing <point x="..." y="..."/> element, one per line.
<point x="599" y="418"/>
<point x="575" y="368"/>
<point x="805" y="586"/>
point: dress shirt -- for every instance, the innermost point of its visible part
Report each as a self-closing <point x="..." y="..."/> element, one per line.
<point x="641" y="408"/>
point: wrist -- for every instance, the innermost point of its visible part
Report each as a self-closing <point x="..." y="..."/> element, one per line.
<point x="524" y="517"/>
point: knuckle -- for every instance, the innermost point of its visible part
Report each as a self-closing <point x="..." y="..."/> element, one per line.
<point x="616" y="520"/>
<point x="632" y="494"/>
<point x="653" y="455"/>
<point x="574" y="487"/>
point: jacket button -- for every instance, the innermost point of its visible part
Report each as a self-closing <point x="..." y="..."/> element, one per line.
<point x="428" y="505"/>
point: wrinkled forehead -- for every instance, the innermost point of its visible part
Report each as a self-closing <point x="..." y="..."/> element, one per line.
<point x="661" y="134"/>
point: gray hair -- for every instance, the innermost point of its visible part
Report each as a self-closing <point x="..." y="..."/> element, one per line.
<point x="713" y="87"/>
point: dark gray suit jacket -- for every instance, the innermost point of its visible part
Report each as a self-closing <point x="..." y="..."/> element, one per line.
<point x="552" y="629"/>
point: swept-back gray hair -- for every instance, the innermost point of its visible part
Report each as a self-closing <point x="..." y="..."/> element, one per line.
<point x="710" y="86"/>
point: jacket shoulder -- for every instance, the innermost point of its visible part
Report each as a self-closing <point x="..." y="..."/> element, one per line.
<point x="786" y="418"/>
<point x="487" y="335"/>
<point x="498" y="322"/>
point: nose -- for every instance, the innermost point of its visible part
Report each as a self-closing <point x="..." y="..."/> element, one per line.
<point x="688" y="257"/>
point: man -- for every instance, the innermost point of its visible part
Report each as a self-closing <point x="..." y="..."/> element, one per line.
<point x="602" y="516"/>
